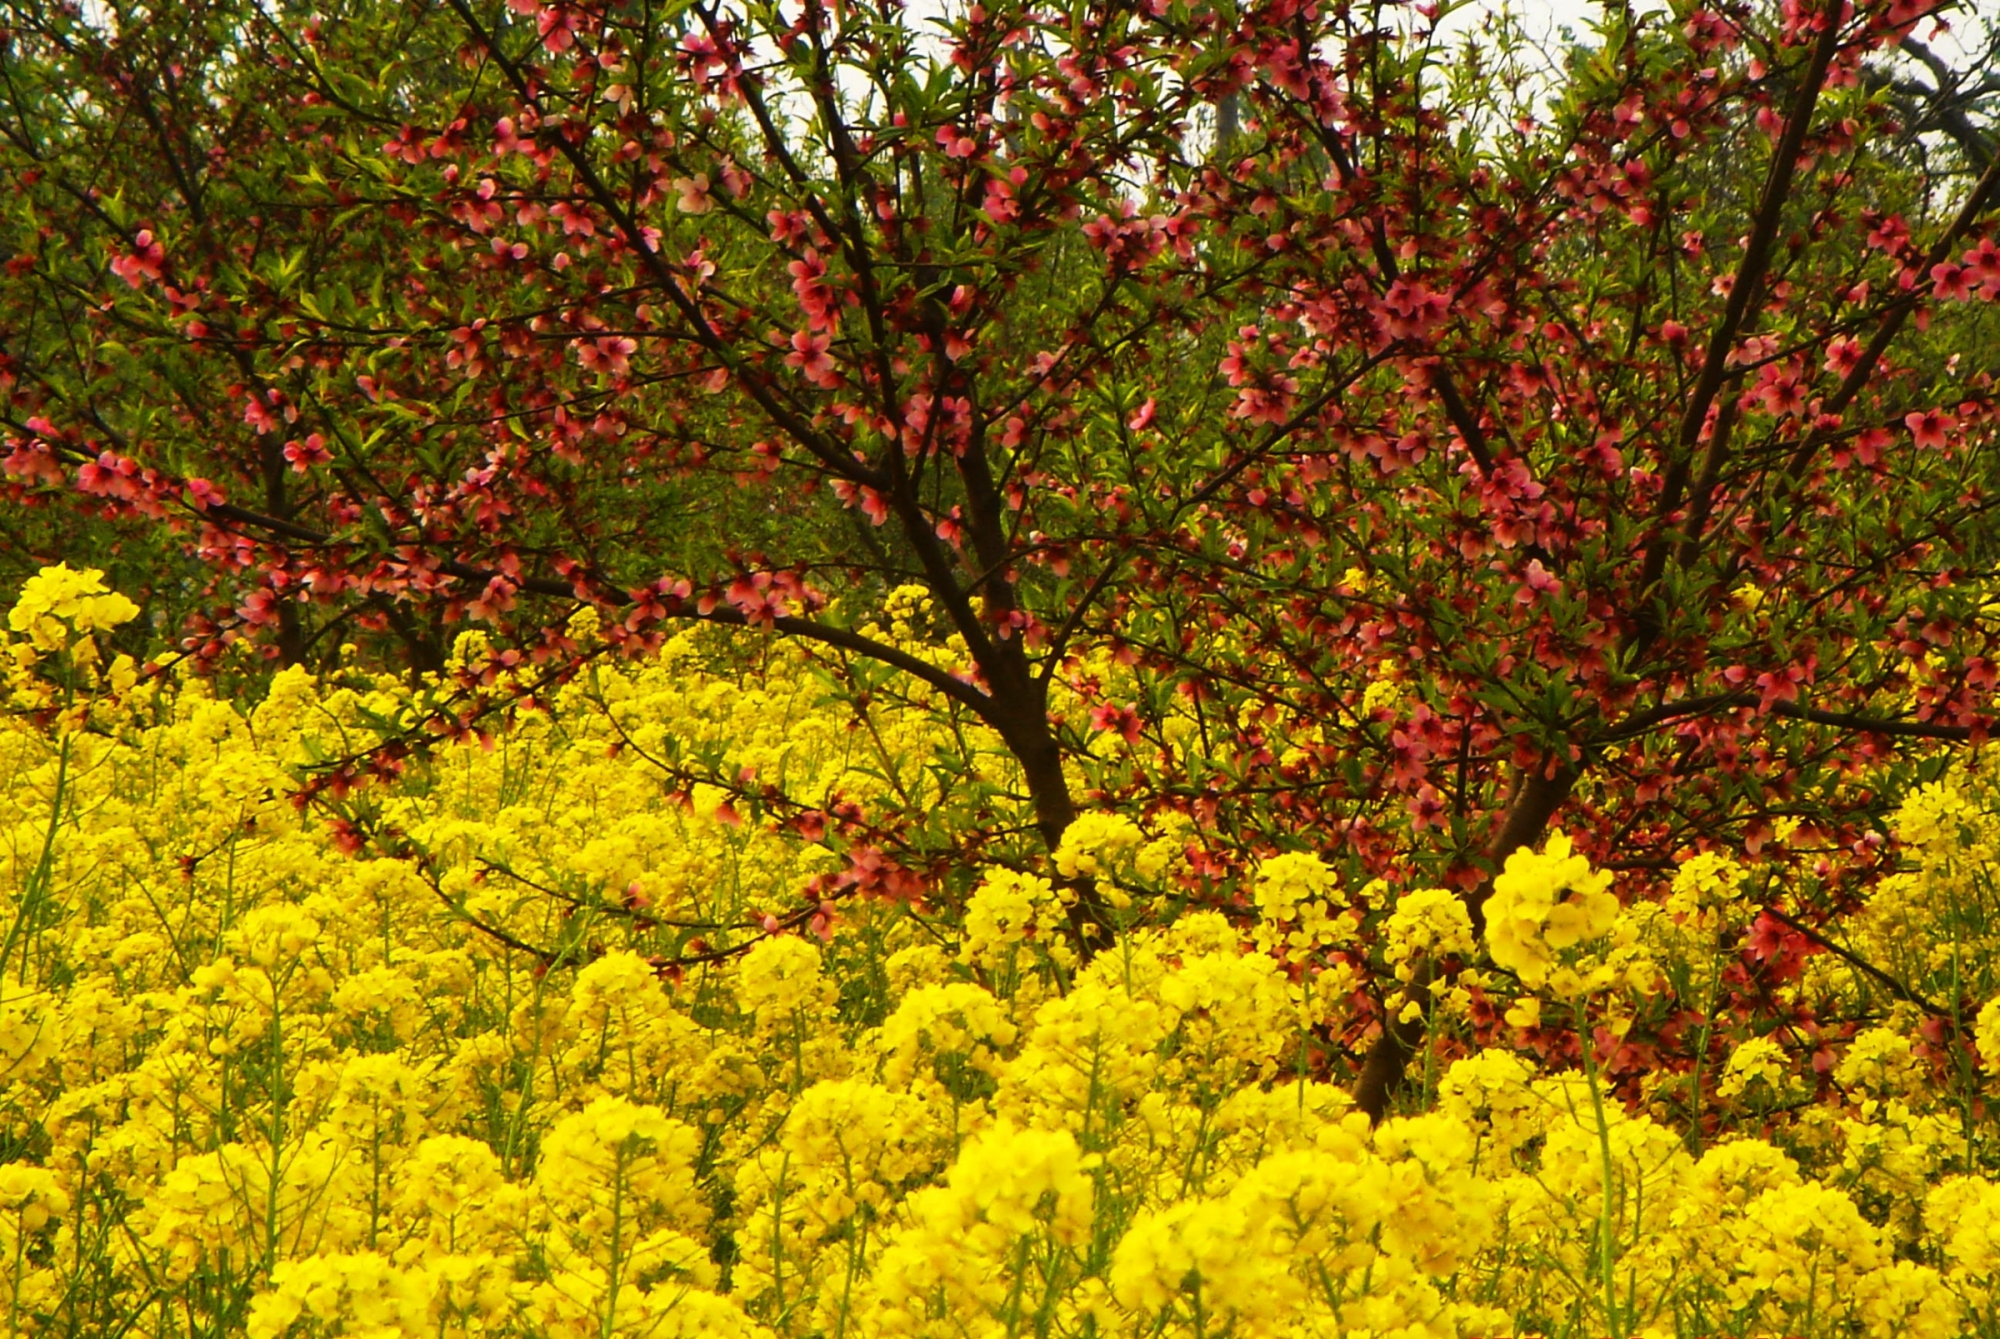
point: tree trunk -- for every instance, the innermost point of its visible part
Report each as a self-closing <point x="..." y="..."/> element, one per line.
<point x="1535" y="802"/>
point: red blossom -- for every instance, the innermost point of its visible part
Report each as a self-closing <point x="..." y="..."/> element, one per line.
<point x="1931" y="428"/>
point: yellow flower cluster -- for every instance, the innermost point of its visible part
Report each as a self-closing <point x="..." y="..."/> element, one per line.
<point x="57" y="604"/>
<point x="54" y="656"/>
<point x="1295" y="896"/>
<point x="1546" y="905"/>
<point x="538" y="1065"/>
<point x="1707" y="894"/>
<point x="1010" y="914"/>
<point x="1117" y="855"/>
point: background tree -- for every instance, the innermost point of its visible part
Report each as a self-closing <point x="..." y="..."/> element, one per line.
<point x="691" y="314"/>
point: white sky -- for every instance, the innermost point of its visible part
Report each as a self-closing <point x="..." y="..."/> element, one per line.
<point x="1543" y="23"/>
<point x="1543" y="20"/>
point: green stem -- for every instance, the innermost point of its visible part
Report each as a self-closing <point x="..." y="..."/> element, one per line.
<point x="39" y="882"/>
<point x="273" y="1190"/>
<point x="1606" y="1245"/>
<point x="20" y="1268"/>
<point x="1958" y="1028"/>
<point x="617" y="1243"/>
<point x="1701" y="1047"/>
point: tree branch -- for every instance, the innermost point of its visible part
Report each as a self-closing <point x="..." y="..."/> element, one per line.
<point x="1900" y="990"/>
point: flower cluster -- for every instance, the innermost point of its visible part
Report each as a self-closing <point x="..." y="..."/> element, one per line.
<point x="572" y="1060"/>
<point x="1547" y="909"/>
<point x="54" y="660"/>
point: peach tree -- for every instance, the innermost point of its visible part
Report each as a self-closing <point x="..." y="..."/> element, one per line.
<point x="1294" y="421"/>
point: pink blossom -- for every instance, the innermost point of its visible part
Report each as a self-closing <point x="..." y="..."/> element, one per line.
<point x="303" y="455"/>
<point x="1111" y="718"/>
<point x="1930" y="428"/>
<point x="1536" y="581"/>
<point x="575" y="219"/>
<point x="1779" y="390"/>
<point x="143" y="263"/>
<point x="809" y="355"/>
<point x="692" y="192"/>
<point x="1843" y="355"/>
<point x="201" y="495"/>
<point x="608" y="353"/>
<point x="861" y="495"/>
<point x="558" y="26"/>
<point x="1951" y="282"/>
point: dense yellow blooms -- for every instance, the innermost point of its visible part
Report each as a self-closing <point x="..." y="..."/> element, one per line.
<point x="1009" y="914"/>
<point x="1296" y="910"/>
<point x="1427" y="922"/>
<point x="1758" y="1062"/>
<point x="58" y="601"/>
<point x="1547" y="905"/>
<point x="1707" y="894"/>
<point x="536" y="1063"/>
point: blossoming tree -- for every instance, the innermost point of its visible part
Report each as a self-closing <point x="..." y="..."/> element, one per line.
<point x="1375" y="463"/>
<point x="1663" y="510"/>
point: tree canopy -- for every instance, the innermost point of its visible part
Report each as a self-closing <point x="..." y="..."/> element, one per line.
<point x="1291" y="421"/>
